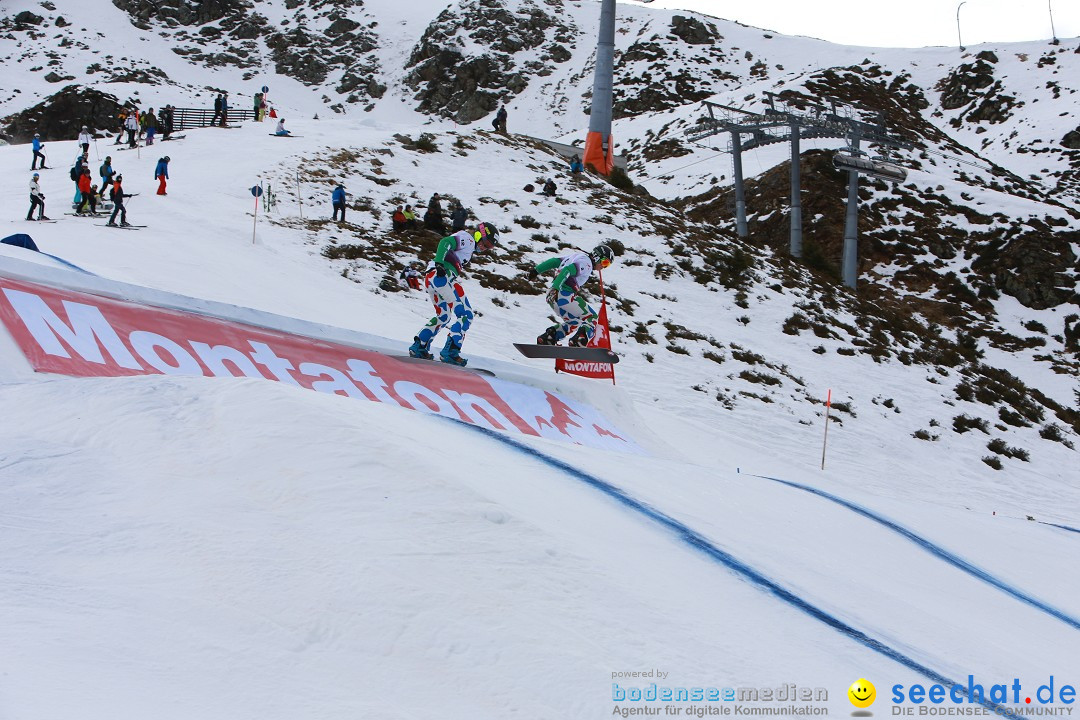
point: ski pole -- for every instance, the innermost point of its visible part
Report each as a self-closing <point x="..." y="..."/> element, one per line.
<point x="298" y="198"/>
<point x="828" y="405"/>
<point x="96" y="151"/>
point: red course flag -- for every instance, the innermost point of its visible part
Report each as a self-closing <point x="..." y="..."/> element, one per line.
<point x="601" y="338"/>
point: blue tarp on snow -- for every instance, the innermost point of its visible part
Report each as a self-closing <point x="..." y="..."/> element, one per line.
<point x="20" y="240"/>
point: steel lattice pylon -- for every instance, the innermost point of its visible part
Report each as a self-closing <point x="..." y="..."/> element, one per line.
<point x="790" y="122"/>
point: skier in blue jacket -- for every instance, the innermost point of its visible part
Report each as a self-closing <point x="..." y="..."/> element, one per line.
<point x="338" y="199"/>
<point x="37" y="153"/>
<point x="161" y="174"/>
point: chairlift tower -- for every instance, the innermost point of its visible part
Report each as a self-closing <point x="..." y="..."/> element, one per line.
<point x="790" y="121"/>
<point x="599" y="145"/>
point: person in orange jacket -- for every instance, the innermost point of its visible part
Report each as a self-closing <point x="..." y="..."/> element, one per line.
<point x="89" y="201"/>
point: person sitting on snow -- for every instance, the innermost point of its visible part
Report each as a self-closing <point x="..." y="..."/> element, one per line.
<point x="281" y="128"/>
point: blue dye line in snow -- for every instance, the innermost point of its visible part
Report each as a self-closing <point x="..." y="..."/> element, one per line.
<point x="703" y="545"/>
<point x="1063" y="527"/>
<point x="64" y="262"/>
<point x="938" y="551"/>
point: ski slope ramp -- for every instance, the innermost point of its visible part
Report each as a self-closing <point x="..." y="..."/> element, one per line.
<point x="190" y="545"/>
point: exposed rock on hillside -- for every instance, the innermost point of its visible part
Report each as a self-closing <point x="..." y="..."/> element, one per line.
<point x="229" y="33"/>
<point x="60" y="116"/>
<point x="183" y="12"/>
<point x="466" y="86"/>
<point x="649" y="80"/>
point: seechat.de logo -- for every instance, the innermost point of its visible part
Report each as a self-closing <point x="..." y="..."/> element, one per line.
<point x="862" y="693"/>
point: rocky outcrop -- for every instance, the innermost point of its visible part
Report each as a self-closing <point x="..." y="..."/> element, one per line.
<point x="61" y="116"/>
<point x="183" y="12"/>
<point x="1072" y="139"/>
<point x="466" y="86"/>
<point x="1031" y="267"/>
<point x="693" y="31"/>
<point x="322" y="36"/>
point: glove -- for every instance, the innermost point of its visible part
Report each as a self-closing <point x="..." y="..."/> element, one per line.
<point x="440" y="271"/>
<point x="552" y="296"/>
<point x="533" y="274"/>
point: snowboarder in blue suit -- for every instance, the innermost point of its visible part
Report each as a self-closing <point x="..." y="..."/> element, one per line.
<point x="452" y="308"/>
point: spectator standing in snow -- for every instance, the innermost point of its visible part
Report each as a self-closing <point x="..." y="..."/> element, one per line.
<point x="86" y="199"/>
<point x="106" y="173"/>
<point x="37" y="199"/>
<point x="161" y="174"/>
<point x="499" y="123"/>
<point x="84" y="139"/>
<point x="224" y="109"/>
<point x="76" y="176"/>
<point x="576" y="166"/>
<point x="338" y="199"/>
<point x="37" y="144"/>
<point x="258" y="106"/>
<point x="458" y="218"/>
<point x="117" y="195"/>
<point x="132" y="125"/>
<point x="219" y="101"/>
<point x="433" y="218"/>
<point x="121" y="118"/>
<point x="149" y="125"/>
<point x="166" y="121"/>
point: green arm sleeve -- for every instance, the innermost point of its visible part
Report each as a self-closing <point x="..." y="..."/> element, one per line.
<point x="568" y="272"/>
<point x="551" y="264"/>
<point x="440" y="255"/>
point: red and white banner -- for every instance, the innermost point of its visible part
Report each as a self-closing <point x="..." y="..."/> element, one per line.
<point x="601" y="338"/>
<point x="83" y="335"/>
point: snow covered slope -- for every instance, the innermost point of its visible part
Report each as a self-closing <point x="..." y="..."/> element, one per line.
<point x="222" y="548"/>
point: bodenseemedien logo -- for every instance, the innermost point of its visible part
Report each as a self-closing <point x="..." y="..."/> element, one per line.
<point x="862" y="693"/>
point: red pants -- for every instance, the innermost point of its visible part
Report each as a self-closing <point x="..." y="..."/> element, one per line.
<point x="161" y="185"/>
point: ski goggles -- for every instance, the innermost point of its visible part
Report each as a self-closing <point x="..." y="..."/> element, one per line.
<point x="604" y="263"/>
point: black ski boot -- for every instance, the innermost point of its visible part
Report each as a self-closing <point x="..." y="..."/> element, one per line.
<point x="549" y="337"/>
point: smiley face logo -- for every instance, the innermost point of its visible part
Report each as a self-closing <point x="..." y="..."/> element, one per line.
<point x="862" y="693"/>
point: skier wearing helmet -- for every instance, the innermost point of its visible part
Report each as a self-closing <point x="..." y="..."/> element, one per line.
<point x="37" y="199"/>
<point x="577" y="318"/>
<point x="452" y="308"/>
<point x="37" y="145"/>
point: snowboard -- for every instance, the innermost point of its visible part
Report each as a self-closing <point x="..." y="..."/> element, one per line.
<point x="558" y="352"/>
<point x="276" y="135"/>
<point x="39" y="221"/>
<point x="174" y="137"/>
<point x="122" y="227"/>
<point x="436" y="361"/>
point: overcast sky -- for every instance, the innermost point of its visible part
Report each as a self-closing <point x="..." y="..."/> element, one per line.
<point x="911" y="23"/>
